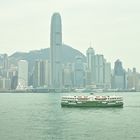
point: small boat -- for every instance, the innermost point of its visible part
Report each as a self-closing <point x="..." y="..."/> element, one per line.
<point x="92" y="101"/>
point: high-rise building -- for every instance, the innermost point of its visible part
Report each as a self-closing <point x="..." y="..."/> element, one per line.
<point x="91" y="65"/>
<point x="107" y="75"/>
<point x="98" y="73"/>
<point x="41" y="73"/>
<point x="56" y="50"/>
<point x="47" y="73"/>
<point x="99" y="70"/>
<point x="22" y="74"/>
<point x="67" y="76"/>
<point x="5" y="83"/>
<point x="36" y="74"/>
<point x="5" y="62"/>
<point x="118" y="76"/>
<point x="79" y="73"/>
<point x="133" y="80"/>
<point x="13" y="75"/>
<point x="5" y="66"/>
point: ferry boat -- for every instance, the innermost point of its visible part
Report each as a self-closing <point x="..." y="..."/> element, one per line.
<point x="92" y="101"/>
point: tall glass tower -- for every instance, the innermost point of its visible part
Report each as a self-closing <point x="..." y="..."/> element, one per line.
<point x="91" y="64"/>
<point x="55" y="51"/>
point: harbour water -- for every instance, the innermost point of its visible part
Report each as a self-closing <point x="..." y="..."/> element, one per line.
<point x="34" y="116"/>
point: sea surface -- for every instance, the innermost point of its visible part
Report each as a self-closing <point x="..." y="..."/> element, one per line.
<point x="39" y="116"/>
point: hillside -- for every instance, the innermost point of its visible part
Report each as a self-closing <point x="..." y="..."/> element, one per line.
<point x="68" y="55"/>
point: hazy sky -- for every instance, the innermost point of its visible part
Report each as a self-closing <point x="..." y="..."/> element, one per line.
<point x="112" y="26"/>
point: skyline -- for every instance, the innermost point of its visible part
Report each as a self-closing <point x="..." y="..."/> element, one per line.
<point x="111" y="27"/>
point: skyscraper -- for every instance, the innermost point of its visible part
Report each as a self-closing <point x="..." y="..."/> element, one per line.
<point x="67" y="75"/>
<point x="41" y="73"/>
<point x="55" y="54"/>
<point x="79" y="72"/>
<point x="107" y="74"/>
<point x="119" y="76"/>
<point x="5" y="62"/>
<point x="22" y="74"/>
<point x="99" y="69"/>
<point x="91" y="64"/>
<point x="5" y="65"/>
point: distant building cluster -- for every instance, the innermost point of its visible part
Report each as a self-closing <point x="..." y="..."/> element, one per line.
<point x="53" y="74"/>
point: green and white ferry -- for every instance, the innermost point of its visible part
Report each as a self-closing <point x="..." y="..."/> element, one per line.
<point x="92" y="101"/>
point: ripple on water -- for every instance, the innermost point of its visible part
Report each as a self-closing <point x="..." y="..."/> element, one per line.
<point x="40" y="117"/>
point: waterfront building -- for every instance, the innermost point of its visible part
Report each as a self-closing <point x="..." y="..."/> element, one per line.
<point x="91" y="65"/>
<point x="22" y="74"/>
<point x="5" y="83"/>
<point x="79" y="73"/>
<point x="41" y="74"/>
<point x="5" y="66"/>
<point x="98" y="73"/>
<point x="56" y="52"/>
<point x="118" y="76"/>
<point x="13" y="75"/>
<point x="133" y="80"/>
<point x="107" y="75"/>
<point x="47" y="73"/>
<point x="36" y="74"/>
<point x="99" y="70"/>
<point x="5" y="62"/>
<point x="14" y="80"/>
<point x="67" y="76"/>
<point x="88" y="78"/>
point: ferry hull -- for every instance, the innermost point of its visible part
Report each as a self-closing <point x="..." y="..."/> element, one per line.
<point x="92" y="104"/>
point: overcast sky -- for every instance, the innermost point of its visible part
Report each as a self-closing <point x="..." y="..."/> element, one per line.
<point x="112" y="26"/>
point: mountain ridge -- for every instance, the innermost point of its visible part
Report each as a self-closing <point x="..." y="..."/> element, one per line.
<point x="68" y="55"/>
